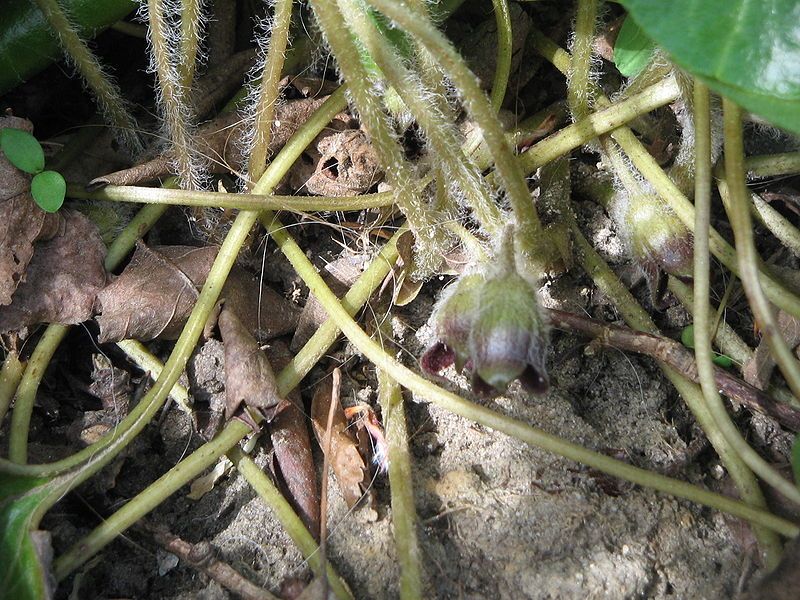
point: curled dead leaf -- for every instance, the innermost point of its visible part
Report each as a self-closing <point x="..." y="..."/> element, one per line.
<point x="348" y="466"/>
<point x="62" y="278"/>
<point x="155" y="293"/>
<point x="294" y="462"/>
<point x="249" y="378"/>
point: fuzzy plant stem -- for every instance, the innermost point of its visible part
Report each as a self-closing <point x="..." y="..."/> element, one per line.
<point x="638" y="318"/>
<point x="291" y="523"/>
<point x="579" y="88"/>
<point x="10" y="376"/>
<point x="399" y="172"/>
<point x="113" y="106"/>
<point x="440" y="133"/>
<point x="173" y="97"/>
<point x="191" y="30"/>
<point x="665" y="187"/>
<point x="741" y="223"/>
<point x="208" y="454"/>
<point x="702" y="321"/>
<point x="489" y="418"/>
<point x="479" y="108"/>
<point x="404" y="514"/>
<point x="295" y="204"/>
<point x="502" y="69"/>
<point x="264" y="109"/>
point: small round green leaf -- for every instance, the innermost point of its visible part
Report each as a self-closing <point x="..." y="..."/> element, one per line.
<point x="48" y="189"/>
<point x="633" y="49"/>
<point x="722" y="360"/>
<point x="22" y="150"/>
<point x="687" y="336"/>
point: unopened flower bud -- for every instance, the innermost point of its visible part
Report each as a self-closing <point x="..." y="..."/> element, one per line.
<point x="657" y="238"/>
<point x="492" y="325"/>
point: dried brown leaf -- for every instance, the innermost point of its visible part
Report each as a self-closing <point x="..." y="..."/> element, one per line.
<point x="155" y="293"/>
<point x="348" y="466"/>
<point x="249" y="379"/>
<point x="292" y="447"/>
<point x="62" y="279"/>
<point x="340" y="163"/>
<point x="22" y="223"/>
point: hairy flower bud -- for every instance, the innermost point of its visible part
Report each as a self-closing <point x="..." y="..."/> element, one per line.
<point x="657" y="238"/>
<point x="492" y="325"/>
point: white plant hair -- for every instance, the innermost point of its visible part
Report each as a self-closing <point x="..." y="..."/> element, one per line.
<point x="164" y="40"/>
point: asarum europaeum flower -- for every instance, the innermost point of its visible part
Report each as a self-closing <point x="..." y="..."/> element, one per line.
<point x="491" y="325"/>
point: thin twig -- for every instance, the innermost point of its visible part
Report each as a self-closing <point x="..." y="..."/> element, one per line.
<point x="323" y="501"/>
<point x="201" y="557"/>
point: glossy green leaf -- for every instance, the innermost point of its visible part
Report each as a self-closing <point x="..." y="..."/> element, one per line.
<point x="745" y="49"/>
<point x="687" y="336"/>
<point x="22" y="150"/>
<point x="633" y="49"/>
<point x="23" y="575"/>
<point x="48" y="189"/>
<point x="722" y="360"/>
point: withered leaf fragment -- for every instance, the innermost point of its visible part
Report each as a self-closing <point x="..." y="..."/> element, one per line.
<point x="22" y="223"/>
<point x="348" y="466"/>
<point x="249" y="379"/>
<point x="155" y="293"/>
<point x="292" y="447"/>
<point x="62" y="279"/>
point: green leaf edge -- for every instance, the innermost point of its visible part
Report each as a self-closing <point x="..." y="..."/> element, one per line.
<point x="22" y="150"/>
<point x="49" y="189"/>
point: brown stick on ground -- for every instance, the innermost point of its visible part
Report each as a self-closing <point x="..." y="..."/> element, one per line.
<point x="323" y="526"/>
<point x="679" y="358"/>
<point x="201" y="557"/>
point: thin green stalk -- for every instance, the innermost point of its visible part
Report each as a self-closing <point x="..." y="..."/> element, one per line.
<point x="777" y="224"/>
<point x="502" y="69"/>
<point x="113" y="106"/>
<point x="603" y="121"/>
<point x="149" y="363"/>
<point x="638" y="318"/>
<point x="399" y="173"/>
<point x="269" y="90"/>
<point x="191" y="25"/>
<point x="745" y="244"/>
<point x="522" y="431"/>
<point x="702" y="321"/>
<point x="440" y="132"/>
<point x="404" y="514"/>
<point x="134" y="231"/>
<point x="291" y="523"/>
<point x="579" y="88"/>
<point x="480" y="110"/>
<point x="10" y="376"/>
<point x="770" y="165"/>
<point x="207" y="455"/>
<point x="296" y="204"/>
<point x="26" y="392"/>
<point x="665" y="187"/>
